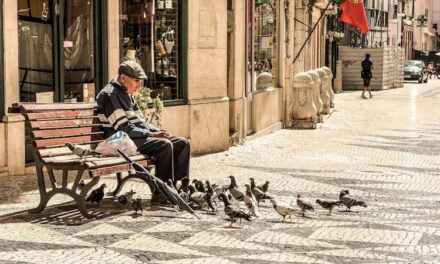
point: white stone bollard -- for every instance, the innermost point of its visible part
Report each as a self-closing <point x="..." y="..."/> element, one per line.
<point x="303" y="110"/>
<point x="338" y="79"/>
<point x="264" y="80"/>
<point x="330" y="86"/>
<point x="325" y="96"/>
<point x="316" y="95"/>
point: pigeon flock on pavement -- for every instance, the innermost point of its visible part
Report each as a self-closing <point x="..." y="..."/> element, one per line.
<point x="204" y="196"/>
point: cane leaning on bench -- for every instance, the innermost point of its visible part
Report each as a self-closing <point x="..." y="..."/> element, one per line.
<point x="118" y="111"/>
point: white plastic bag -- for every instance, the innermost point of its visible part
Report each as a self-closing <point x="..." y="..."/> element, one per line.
<point x="119" y="140"/>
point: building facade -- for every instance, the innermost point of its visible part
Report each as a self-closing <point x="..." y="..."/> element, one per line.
<point x="223" y="68"/>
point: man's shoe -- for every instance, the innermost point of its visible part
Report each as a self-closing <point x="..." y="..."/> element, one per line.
<point x="371" y="96"/>
<point x="363" y="97"/>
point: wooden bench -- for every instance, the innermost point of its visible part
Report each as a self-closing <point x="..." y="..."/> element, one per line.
<point x="51" y="126"/>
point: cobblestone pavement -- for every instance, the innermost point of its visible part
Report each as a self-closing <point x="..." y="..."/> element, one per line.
<point x="385" y="150"/>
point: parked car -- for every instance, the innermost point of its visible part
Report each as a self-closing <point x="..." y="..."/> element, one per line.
<point x="415" y="70"/>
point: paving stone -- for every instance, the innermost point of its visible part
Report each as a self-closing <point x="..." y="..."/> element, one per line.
<point x="103" y="229"/>
<point x="38" y="234"/>
<point x="211" y="239"/>
<point x="89" y="255"/>
<point x="355" y="253"/>
<point x="197" y="261"/>
<point x="287" y="239"/>
<point x="148" y="243"/>
<point x="280" y="257"/>
<point x="367" y="235"/>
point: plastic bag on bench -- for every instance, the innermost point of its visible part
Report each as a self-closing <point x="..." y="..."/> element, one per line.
<point x="119" y="140"/>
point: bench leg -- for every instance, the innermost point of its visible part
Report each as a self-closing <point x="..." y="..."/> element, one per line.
<point x="72" y="192"/>
<point x="44" y="197"/>
<point x="122" y="180"/>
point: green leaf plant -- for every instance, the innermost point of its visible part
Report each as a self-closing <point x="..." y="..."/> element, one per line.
<point x="150" y="107"/>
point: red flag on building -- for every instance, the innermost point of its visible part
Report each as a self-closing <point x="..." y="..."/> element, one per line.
<point x="353" y="13"/>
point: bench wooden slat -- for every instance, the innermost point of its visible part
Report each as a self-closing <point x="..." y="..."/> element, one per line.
<point x="78" y="131"/>
<point x="61" y="114"/>
<point x="57" y="151"/>
<point x="61" y="123"/>
<point x="90" y="162"/>
<point x="105" y="162"/>
<point x="113" y="169"/>
<point x="42" y="143"/>
<point x="69" y="159"/>
<point x="39" y="107"/>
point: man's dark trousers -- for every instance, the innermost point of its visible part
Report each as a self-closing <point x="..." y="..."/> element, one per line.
<point x="171" y="156"/>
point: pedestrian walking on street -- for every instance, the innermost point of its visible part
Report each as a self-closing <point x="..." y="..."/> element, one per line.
<point x="366" y="74"/>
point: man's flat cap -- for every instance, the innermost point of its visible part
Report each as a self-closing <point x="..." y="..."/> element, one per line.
<point x="132" y="69"/>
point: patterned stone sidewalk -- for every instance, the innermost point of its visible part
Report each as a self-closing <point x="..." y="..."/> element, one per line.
<point x="384" y="150"/>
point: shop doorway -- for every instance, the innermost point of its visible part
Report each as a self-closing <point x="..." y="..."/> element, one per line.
<point x="60" y="51"/>
<point x="56" y="50"/>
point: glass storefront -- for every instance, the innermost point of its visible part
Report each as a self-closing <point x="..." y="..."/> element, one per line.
<point x="78" y="50"/>
<point x="35" y="49"/>
<point x="262" y="41"/>
<point x="59" y="33"/>
<point x="149" y="34"/>
<point x="2" y="93"/>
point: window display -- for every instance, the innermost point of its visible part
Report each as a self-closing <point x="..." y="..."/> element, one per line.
<point x="149" y="36"/>
<point x="35" y="49"/>
<point x="262" y="52"/>
<point x="40" y="34"/>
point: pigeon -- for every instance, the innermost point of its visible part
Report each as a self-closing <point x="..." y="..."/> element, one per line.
<point x="196" y="197"/>
<point x="342" y="193"/>
<point x="184" y="185"/>
<point x="199" y="186"/>
<point x="209" y="197"/>
<point x="328" y="205"/>
<point x="81" y="151"/>
<point x="220" y="188"/>
<point x="264" y="187"/>
<point x="250" y="201"/>
<point x="138" y="205"/>
<point x="126" y="197"/>
<point x="96" y="195"/>
<point x="349" y="201"/>
<point x="259" y="194"/>
<point x="81" y="185"/>
<point x="232" y="211"/>
<point x="304" y="206"/>
<point x="283" y="210"/>
<point x="233" y="189"/>
<point x="171" y="185"/>
<point x="193" y="183"/>
<point x="184" y="196"/>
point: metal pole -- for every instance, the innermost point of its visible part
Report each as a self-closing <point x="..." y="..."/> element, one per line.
<point x="311" y="32"/>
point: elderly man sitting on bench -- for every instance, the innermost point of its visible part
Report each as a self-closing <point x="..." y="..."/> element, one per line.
<point x="118" y="111"/>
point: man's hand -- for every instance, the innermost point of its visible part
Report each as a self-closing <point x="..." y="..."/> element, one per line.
<point x="168" y="134"/>
<point x="161" y="134"/>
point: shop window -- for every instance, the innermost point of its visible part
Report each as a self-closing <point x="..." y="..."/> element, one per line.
<point x="2" y="91"/>
<point x="35" y="49"/>
<point x="56" y="50"/>
<point x="149" y="34"/>
<point x="262" y="44"/>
